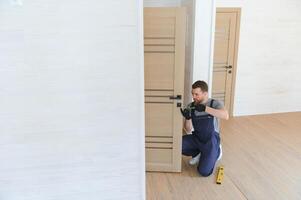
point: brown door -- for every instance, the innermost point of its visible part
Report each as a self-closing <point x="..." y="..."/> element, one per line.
<point x="164" y="47"/>
<point x="225" y="55"/>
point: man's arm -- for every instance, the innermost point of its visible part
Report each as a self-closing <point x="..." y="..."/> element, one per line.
<point x="188" y="125"/>
<point x="219" y="113"/>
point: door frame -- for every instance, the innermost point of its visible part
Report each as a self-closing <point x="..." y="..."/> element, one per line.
<point x="237" y="11"/>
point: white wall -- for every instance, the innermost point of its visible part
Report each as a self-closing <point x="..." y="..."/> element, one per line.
<point x="268" y="76"/>
<point x="199" y="43"/>
<point x="230" y="3"/>
<point x="162" y="3"/>
<point x="71" y="100"/>
<point x="204" y="40"/>
<point x="189" y="48"/>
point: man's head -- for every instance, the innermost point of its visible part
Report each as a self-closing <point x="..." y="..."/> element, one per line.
<point x="199" y="91"/>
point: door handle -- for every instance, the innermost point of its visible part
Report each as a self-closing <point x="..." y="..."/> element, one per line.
<point x="229" y="67"/>
<point x="178" y="97"/>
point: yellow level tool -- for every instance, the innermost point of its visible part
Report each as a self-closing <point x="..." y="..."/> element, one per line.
<point x="220" y="175"/>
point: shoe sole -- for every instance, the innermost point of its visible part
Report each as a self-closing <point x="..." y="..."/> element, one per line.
<point x="220" y="153"/>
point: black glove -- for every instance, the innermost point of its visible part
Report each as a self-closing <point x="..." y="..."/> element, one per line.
<point x="186" y="113"/>
<point x="200" y="107"/>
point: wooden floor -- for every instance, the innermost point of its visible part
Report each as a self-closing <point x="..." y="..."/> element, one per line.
<point x="262" y="160"/>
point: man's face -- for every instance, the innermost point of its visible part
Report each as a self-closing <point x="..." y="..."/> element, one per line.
<point x="198" y="95"/>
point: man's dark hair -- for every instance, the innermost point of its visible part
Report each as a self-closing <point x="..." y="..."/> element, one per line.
<point x="200" y="84"/>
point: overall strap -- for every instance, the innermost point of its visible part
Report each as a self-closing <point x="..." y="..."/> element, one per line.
<point x="211" y="103"/>
<point x="211" y="106"/>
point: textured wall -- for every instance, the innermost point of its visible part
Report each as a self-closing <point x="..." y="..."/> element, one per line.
<point x="71" y="100"/>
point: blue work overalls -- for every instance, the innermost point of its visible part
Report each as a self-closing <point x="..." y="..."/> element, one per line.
<point x="205" y="140"/>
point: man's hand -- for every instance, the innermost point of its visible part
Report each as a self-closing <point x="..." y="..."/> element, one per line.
<point x="200" y="107"/>
<point x="186" y="113"/>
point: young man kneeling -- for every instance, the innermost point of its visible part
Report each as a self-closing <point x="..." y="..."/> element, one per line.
<point x="202" y="115"/>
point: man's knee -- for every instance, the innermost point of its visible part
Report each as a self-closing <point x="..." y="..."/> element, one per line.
<point x="203" y="171"/>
